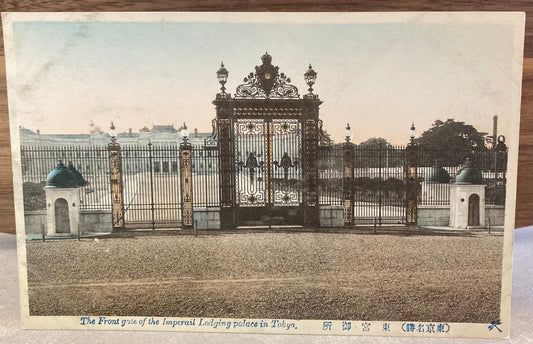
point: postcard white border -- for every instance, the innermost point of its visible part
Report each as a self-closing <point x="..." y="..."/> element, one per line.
<point x="517" y="19"/>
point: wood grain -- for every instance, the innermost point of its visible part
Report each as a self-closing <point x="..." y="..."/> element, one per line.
<point x="524" y="213"/>
<point x="7" y="209"/>
<point x="278" y="5"/>
<point x="524" y="192"/>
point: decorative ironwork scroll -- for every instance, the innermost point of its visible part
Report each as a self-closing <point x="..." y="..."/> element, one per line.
<point x="186" y="185"/>
<point x="252" y="164"/>
<point x="286" y="163"/>
<point x="115" y="167"/>
<point x="267" y="82"/>
<point x="212" y="140"/>
<point x="287" y="153"/>
<point x="267" y="112"/>
<point x="249" y="170"/>
<point x="266" y="153"/>
<point x="323" y="138"/>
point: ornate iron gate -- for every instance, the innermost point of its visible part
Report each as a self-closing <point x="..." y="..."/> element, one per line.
<point x="268" y="138"/>
<point x="268" y="171"/>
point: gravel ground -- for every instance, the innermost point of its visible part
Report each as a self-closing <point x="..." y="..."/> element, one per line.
<point x="292" y="275"/>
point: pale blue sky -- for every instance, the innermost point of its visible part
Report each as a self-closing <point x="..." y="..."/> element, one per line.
<point x="379" y="77"/>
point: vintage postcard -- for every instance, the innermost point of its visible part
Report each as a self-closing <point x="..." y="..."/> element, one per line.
<point x="277" y="173"/>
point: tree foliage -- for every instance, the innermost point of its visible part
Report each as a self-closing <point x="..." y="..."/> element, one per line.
<point x="452" y="135"/>
<point x="375" y="142"/>
<point x="377" y="152"/>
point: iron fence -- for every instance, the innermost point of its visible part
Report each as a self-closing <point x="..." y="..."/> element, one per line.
<point x="330" y="175"/>
<point x="151" y="179"/>
<point x="380" y="184"/>
<point x="91" y="161"/>
<point x="151" y="186"/>
<point x="205" y="175"/>
<point x="493" y="164"/>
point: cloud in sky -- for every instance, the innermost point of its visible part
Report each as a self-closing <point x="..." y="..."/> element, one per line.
<point x="379" y="77"/>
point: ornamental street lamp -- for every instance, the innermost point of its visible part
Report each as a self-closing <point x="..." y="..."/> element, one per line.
<point x="113" y="134"/>
<point x="349" y="133"/>
<point x="184" y="134"/>
<point x="222" y="76"/>
<point x="413" y="135"/>
<point x="310" y="78"/>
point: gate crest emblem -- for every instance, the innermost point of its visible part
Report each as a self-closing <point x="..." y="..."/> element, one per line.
<point x="267" y="82"/>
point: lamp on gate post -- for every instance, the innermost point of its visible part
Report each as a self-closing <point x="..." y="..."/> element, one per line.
<point x="413" y="135"/>
<point x="184" y="135"/>
<point x="311" y="134"/>
<point x="224" y="129"/>
<point x="113" y="134"/>
<point x="310" y="78"/>
<point x="222" y="76"/>
<point x="349" y="133"/>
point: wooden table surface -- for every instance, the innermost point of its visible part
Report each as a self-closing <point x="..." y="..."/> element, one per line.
<point x="524" y="208"/>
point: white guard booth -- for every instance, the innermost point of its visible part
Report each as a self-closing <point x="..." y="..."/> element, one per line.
<point x="62" y="200"/>
<point x="467" y="198"/>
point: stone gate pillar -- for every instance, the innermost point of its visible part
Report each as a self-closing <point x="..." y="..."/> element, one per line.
<point x="348" y="174"/>
<point x="224" y="108"/>
<point x="412" y="181"/>
<point x="310" y="158"/>
<point x="115" y="171"/>
<point x="186" y="182"/>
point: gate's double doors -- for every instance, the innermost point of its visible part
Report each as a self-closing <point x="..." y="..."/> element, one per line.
<point x="268" y="172"/>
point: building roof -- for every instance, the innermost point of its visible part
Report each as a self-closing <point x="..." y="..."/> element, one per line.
<point x="469" y="174"/>
<point x="60" y="177"/>
<point x="26" y="131"/>
<point x="164" y="128"/>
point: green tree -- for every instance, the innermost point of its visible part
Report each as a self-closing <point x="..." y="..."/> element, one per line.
<point x="452" y="135"/>
<point x="375" y="142"/>
<point x="449" y="142"/>
<point x="376" y="152"/>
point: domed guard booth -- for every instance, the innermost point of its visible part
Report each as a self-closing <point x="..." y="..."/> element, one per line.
<point x="62" y="200"/>
<point x="467" y="198"/>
